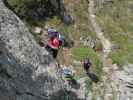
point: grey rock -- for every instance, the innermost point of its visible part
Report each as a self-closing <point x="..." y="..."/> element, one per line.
<point x="122" y="83"/>
<point x="125" y="79"/>
<point x="88" y="41"/>
<point x="117" y="85"/>
<point x="24" y="65"/>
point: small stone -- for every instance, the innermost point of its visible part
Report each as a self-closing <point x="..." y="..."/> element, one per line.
<point x="37" y="30"/>
<point x="115" y="66"/>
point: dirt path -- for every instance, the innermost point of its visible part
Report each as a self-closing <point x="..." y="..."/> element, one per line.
<point x="106" y="88"/>
<point x="105" y="42"/>
<point x="106" y="50"/>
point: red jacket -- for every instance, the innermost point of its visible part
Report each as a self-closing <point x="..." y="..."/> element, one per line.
<point x="53" y="43"/>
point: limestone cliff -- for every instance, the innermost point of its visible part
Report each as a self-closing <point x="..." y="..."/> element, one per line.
<point x="27" y="71"/>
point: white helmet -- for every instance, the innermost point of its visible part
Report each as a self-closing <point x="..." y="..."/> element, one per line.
<point x="51" y="30"/>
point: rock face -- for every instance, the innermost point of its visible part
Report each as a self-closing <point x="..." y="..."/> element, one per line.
<point x="27" y="71"/>
<point x="88" y="41"/>
<point x="124" y="82"/>
<point x="117" y="86"/>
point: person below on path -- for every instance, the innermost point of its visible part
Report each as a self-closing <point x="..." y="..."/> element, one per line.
<point x="53" y="46"/>
<point x="87" y="64"/>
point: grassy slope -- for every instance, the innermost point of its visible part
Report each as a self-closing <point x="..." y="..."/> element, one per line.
<point x="116" y="19"/>
<point x="83" y="52"/>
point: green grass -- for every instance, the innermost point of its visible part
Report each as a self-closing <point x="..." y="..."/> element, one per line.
<point x="88" y="85"/>
<point x="116" y="21"/>
<point x="19" y="6"/>
<point x="83" y="52"/>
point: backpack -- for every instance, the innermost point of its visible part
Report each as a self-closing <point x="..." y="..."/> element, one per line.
<point x="61" y="39"/>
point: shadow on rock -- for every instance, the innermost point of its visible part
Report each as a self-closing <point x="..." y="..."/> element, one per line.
<point x="93" y="77"/>
<point x="64" y="95"/>
<point x="74" y="84"/>
<point x="69" y="43"/>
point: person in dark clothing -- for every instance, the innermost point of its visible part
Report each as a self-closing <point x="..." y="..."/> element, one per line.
<point x="54" y="42"/>
<point x="52" y="33"/>
<point x="52" y="51"/>
<point x="53" y="46"/>
<point x="86" y="64"/>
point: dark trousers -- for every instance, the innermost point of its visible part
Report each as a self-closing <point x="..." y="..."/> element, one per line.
<point x="86" y="68"/>
<point x="52" y="51"/>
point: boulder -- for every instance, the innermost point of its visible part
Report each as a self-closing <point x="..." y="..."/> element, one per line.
<point x="88" y="41"/>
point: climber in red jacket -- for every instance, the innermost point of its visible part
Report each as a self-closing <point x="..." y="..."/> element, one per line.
<point x="52" y="33"/>
<point x="53" y="46"/>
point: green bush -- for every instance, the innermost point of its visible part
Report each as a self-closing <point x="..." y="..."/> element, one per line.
<point x="32" y="10"/>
